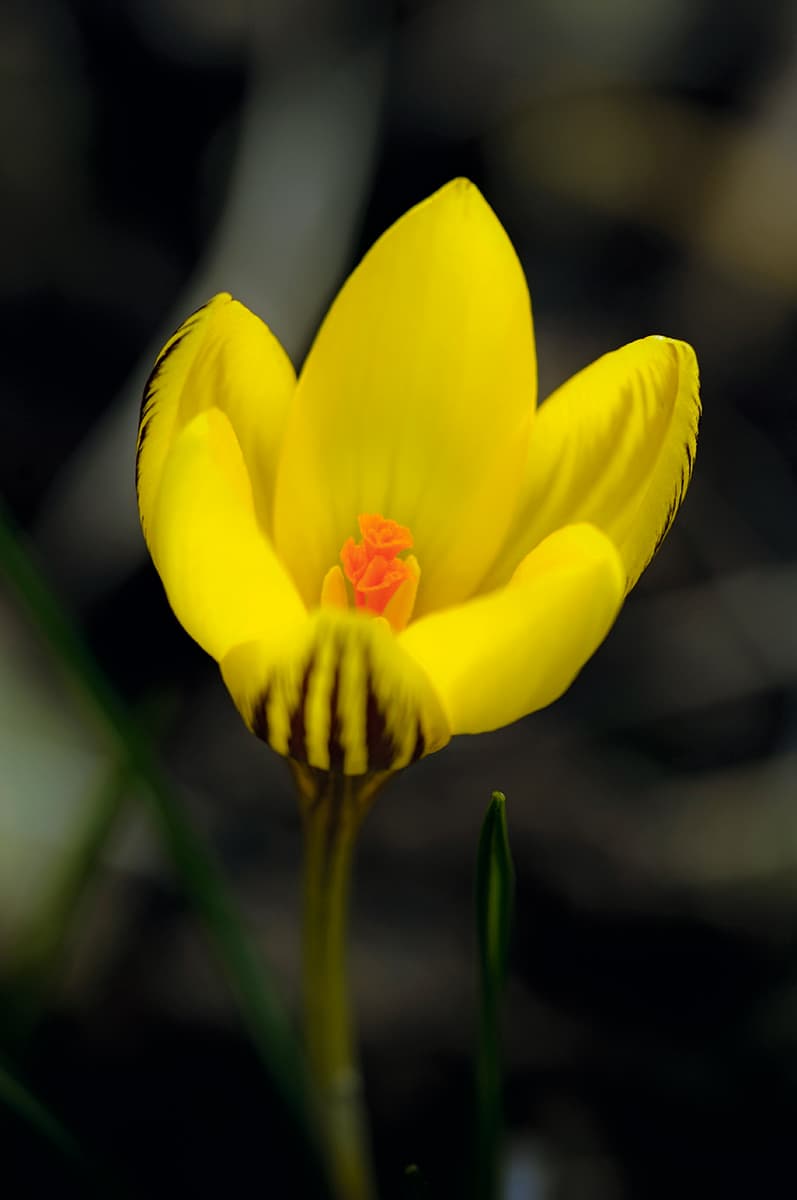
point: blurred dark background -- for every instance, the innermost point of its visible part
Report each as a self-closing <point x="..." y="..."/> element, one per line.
<point x="644" y="161"/>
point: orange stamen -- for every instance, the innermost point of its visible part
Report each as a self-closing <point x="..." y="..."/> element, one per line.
<point x="373" y="568"/>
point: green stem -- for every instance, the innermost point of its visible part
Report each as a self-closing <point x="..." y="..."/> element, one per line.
<point x="333" y="808"/>
<point x="489" y="1091"/>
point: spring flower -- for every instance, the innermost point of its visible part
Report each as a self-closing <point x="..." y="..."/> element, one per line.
<point x="399" y="546"/>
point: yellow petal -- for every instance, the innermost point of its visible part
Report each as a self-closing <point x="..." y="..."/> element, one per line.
<point x="220" y="573"/>
<point x="337" y="693"/>
<point x="614" y="446"/>
<point x="508" y="653"/>
<point x="415" y="401"/>
<point x="223" y="356"/>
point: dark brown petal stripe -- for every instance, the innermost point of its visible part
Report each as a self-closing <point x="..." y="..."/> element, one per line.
<point x="150" y="396"/>
<point x="683" y="483"/>
<point x="369" y="726"/>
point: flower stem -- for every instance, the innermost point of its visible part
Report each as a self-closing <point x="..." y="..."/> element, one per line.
<point x="333" y="808"/>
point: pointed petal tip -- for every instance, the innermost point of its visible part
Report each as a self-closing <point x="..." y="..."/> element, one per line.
<point x="460" y="199"/>
<point x="683" y="352"/>
<point x="460" y="186"/>
<point x="462" y="194"/>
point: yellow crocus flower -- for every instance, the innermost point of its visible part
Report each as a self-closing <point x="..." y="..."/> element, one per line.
<point x="280" y="512"/>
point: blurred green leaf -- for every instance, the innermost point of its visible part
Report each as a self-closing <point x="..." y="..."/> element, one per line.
<point x="263" y="1015"/>
<point x="495" y="883"/>
<point x="38" y="947"/>
<point x="96" y="1177"/>
<point x="14" y="1095"/>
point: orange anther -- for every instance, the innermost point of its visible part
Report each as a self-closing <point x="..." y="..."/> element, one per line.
<point x="372" y="565"/>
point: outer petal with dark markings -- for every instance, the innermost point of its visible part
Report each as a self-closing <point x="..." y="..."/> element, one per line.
<point x="338" y="693"/>
<point x="224" y="357"/>
<point x="211" y="423"/>
<point x="613" y="446"/>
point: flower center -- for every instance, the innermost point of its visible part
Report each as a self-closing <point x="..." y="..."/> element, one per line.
<point x="382" y="583"/>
